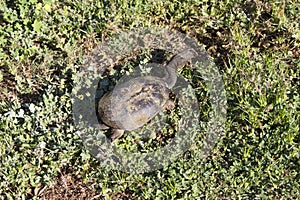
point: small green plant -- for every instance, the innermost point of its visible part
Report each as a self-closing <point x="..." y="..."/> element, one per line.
<point x="255" y="45"/>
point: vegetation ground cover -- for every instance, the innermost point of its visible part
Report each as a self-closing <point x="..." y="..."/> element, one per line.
<point x="256" y="46"/>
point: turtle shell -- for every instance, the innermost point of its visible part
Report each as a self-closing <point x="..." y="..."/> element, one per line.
<point x="132" y="104"/>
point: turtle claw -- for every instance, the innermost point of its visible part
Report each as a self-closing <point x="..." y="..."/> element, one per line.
<point x="169" y="105"/>
<point x="117" y="133"/>
<point x="100" y="126"/>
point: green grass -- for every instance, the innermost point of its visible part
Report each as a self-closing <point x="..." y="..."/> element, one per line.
<point x="256" y="46"/>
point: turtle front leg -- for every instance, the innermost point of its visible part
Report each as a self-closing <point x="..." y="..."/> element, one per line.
<point x="117" y="133"/>
<point x="169" y="105"/>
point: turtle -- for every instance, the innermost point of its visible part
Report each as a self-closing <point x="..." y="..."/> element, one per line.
<point x="133" y="103"/>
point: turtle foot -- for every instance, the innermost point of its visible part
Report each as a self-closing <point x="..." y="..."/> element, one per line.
<point x="117" y="133"/>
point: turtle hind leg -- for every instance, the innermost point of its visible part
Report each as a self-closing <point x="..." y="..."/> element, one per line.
<point x="117" y="133"/>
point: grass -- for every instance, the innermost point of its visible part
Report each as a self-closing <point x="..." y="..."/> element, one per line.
<point x="256" y="46"/>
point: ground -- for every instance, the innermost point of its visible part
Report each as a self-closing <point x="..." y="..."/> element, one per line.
<point x="255" y="45"/>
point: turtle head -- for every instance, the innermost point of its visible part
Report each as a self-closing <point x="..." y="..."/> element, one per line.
<point x="176" y="62"/>
<point x="181" y="58"/>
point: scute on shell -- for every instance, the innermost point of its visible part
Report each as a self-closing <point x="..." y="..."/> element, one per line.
<point x="133" y="103"/>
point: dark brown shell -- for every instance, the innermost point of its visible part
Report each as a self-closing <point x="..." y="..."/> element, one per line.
<point x="133" y="103"/>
